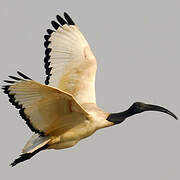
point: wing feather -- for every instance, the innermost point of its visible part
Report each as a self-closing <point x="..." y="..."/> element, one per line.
<point x="69" y="62"/>
<point x="45" y="109"/>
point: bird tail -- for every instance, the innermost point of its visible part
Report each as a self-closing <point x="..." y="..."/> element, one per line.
<point x="36" y="144"/>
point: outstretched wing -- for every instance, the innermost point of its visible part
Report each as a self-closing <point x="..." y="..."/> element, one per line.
<point x="69" y="62"/>
<point x="45" y="109"/>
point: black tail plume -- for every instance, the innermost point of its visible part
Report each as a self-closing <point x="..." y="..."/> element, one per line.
<point x="26" y="156"/>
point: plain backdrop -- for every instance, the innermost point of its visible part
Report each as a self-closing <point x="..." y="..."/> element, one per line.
<point x="137" y="46"/>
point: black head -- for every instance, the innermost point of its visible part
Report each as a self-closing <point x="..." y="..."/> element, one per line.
<point x="137" y="107"/>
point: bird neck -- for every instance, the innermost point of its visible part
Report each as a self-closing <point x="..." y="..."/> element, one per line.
<point x="117" y="118"/>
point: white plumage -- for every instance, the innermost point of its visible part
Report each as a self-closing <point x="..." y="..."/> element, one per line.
<point x="64" y="111"/>
<point x="61" y="113"/>
<point x="73" y="63"/>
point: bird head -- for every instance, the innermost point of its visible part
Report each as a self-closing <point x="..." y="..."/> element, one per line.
<point x="139" y="107"/>
<point x="136" y="108"/>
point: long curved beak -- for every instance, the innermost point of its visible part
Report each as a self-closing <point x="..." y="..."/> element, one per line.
<point x="150" y="107"/>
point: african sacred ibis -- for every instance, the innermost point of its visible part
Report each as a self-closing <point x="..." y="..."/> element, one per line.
<point x="64" y="111"/>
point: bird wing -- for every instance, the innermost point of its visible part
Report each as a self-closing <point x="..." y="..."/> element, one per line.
<point x="45" y="109"/>
<point x="69" y="62"/>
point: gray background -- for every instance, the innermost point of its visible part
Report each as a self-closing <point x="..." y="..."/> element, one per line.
<point x="137" y="45"/>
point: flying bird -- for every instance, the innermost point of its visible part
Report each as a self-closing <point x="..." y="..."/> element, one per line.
<point x="64" y="110"/>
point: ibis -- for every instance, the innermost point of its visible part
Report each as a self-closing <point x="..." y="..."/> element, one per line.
<point x="63" y="111"/>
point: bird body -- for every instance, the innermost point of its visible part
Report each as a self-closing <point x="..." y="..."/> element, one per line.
<point x="89" y="125"/>
<point x="64" y="111"/>
<point x="86" y="126"/>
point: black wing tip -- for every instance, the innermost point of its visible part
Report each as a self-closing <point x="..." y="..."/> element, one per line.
<point x="61" y="20"/>
<point x="27" y="120"/>
<point x="55" y="24"/>
<point x="66" y="14"/>
<point x="50" y="31"/>
<point x="68" y="19"/>
<point x="15" y="78"/>
<point x="46" y="44"/>
<point x="46" y="37"/>
<point x="48" y="70"/>
<point x="13" y="101"/>
<point x="47" y="79"/>
<point x="46" y="59"/>
<point x="23" y="75"/>
<point x="47" y="51"/>
<point x="11" y="82"/>
<point x="5" y="89"/>
<point x="47" y="64"/>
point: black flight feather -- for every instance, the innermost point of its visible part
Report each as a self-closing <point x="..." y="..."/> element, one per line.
<point x="55" y="25"/>
<point x="24" y="76"/>
<point x="47" y="64"/>
<point x="46" y="44"/>
<point x="46" y="59"/>
<point x="47" y="51"/>
<point x="50" y="31"/>
<point x="6" y="89"/>
<point x="15" y="78"/>
<point x="46" y="37"/>
<point x="68" y="19"/>
<point x="47" y="79"/>
<point x="14" y="102"/>
<point x="61" y="20"/>
<point x="11" y="82"/>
